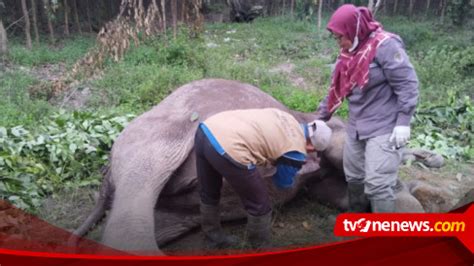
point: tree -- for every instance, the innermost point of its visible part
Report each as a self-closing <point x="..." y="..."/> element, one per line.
<point x="3" y="41"/>
<point x="35" y="21"/>
<point x="163" y="9"/>
<point x="26" y="16"/>
<point x="292" y="7"/>
<point x="374" y="6"/>
<point x="428" y="3"/>
<point x="320" y="10"/>
<point x="174" y="14"/>
<point x="76" y="16"/>
<point x="49" y="15"/>
<point x="88" y="14"/>
<point x="66" y="19"/>
<point x="442" y="8"/>
<point x="410" y="8"/>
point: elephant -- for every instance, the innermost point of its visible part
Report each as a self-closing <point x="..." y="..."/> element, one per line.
<point x="150" y="183"/>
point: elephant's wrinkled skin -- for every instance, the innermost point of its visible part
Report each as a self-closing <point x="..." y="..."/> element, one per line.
<point x="152" y="163"/>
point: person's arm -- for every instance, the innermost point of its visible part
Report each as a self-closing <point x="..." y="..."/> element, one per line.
<point x="322" y="113"/>
<point x="401" y="76"/>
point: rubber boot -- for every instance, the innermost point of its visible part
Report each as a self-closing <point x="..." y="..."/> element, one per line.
<point x="259" y="230"/>
<point x="215" y="238"/>
<point x="383" y="206"/>
<point x="358" y="201"/>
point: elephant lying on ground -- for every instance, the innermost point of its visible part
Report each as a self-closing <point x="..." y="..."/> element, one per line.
<point x="151" y="176"/>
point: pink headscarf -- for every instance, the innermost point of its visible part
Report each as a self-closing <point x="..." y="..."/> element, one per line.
<point x="352" y="68"/>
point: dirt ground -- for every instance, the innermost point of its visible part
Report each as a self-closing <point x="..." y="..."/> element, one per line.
<point x="299" y="223"/>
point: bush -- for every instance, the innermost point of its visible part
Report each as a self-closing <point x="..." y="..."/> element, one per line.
<point x="68" y="149"/>
<point x="446" y="129"/>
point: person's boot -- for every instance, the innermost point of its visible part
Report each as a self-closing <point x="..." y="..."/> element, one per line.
<point x="259" y="230"/>
<point x="358" y="201"/>
<point x="215" y="238"/>
<point x="383" y="206"/>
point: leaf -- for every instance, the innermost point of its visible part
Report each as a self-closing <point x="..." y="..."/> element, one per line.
<point x="3" y="132"/>
<point x="18" y="131"/>
<point x="40" y="140"/>
<point x="73" y="147"/>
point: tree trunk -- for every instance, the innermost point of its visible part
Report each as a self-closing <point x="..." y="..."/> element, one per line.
<point x="27" y="23"/>
<point x="183" y="10"/>
<point x="443" y="10"/>
<point x="163" y="9"/>
<point x="48" y="12"/>
<point x="371" y="5"/>
<point x="292" y="7"/>
<point x="410" y="8"/>
<point x="320" y="11"/>
<point x="395" y="6"/>
<point x="428" y="4"/>
<point x="174" y="14"/>
<point x="66" y="19"/>
<point x="35" y="21"/>
<point x="76" y="17"/>
<point x="376" y="7"/>
<point x="88" y="14"/>
<point x="3" y="41"/>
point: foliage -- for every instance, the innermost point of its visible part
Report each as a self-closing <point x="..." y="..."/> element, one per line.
<point x="458" y="10"/>
<point x="452" y="63"/>
<point x="66" y="150"/>
<point x="447" y="129"/>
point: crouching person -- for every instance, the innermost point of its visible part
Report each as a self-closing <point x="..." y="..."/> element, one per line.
<point x="231" y="144"/>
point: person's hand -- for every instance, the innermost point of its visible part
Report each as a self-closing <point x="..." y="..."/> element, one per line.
<point x="400" y="134"/>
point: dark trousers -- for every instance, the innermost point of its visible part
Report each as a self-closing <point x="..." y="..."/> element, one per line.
<point x="212" y="167"/>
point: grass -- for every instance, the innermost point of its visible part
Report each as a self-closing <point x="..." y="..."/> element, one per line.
<point x="65" y="51"/>
<point x="15" y="105"/>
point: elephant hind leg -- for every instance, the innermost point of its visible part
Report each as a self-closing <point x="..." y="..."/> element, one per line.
<point x="130" y="225"/>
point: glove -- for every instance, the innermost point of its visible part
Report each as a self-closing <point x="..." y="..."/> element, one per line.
<point x="400" y="135"/>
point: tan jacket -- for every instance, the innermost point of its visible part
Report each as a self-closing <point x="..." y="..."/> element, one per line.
<point x="257" y="136"/>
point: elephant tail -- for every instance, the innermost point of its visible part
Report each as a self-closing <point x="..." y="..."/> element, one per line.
<point x="98" y="213"/>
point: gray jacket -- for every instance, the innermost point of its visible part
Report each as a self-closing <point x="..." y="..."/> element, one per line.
<point x="387" y="100"/>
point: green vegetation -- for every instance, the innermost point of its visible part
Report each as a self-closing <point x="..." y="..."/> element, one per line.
<point x="43" y="148"/>
<point x="66" y="51"/>
<point x="66" y="149"/>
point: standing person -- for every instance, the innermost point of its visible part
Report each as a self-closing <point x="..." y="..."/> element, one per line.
<point x="231" y="144"/>
<point x="374" y="73"/>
